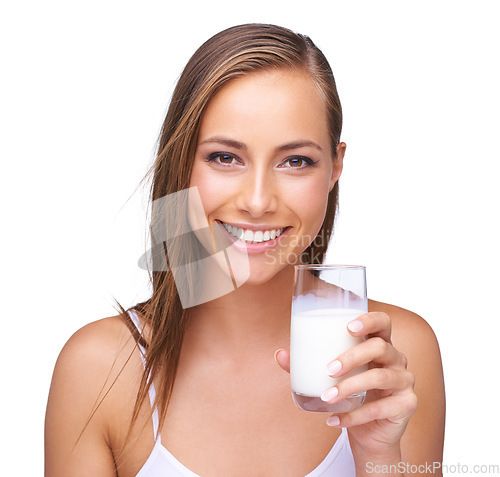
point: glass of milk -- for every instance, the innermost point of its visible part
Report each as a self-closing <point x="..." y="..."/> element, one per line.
<point x="325" y="299"/>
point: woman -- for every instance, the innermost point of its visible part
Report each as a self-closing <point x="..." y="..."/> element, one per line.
<point x="254" y="129"/>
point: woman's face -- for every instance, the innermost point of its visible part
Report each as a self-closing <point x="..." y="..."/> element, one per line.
<point x="263" y="167"/>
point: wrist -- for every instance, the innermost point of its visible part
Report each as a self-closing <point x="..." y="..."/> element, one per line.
<point x="386" y="462"/>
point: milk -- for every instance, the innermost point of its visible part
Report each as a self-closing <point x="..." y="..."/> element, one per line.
<point x="318" y="337"/>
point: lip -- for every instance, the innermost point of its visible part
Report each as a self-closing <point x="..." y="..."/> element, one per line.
<point x="253" y="227"/>
<point x="252" y="248"/>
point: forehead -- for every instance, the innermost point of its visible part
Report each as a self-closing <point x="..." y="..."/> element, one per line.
<point x="274" y="103"/>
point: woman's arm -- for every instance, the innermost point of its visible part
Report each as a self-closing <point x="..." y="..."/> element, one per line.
<point x="77" y="444"/>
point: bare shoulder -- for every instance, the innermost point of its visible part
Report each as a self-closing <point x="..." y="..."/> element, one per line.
<point x="97" y="342"/>
<point x="93" y="359"/>
<point x="414" y="337"/>
<point x="88" y="358"/>
<point x="409" y="330"/>
<point x="91" y="374"/>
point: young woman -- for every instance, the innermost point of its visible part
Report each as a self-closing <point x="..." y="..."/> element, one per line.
<point x="166" y="388"/>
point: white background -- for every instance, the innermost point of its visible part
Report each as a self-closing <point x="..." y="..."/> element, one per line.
<point x="85" y="86"/>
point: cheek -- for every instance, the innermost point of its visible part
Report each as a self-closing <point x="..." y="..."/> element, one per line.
<point x="311" y="201"/>
<point x="211" y="188"/>
<point x="203" y="201"/>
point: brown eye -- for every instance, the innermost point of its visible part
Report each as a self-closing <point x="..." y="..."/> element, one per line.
<point x="299" y="162"/>
<point x="296" y="161"/>
<point x="221" y="158"/>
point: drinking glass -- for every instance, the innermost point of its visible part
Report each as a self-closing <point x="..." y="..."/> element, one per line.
<point x="325" y="299"/>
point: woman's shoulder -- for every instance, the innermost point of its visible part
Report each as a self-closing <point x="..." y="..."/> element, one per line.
<point x="100" y="342"/>
<point x="97" y="364"/>
<point x="95" y="356"/>
<point x="95" y="373"/>
<point x="408" y="328"/>
<point x="414" y="337"/>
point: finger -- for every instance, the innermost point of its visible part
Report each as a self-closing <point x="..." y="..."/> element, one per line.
<point x="375" y="350"/>
<point x="375" y="378"/>
<point x="372" y="324"/>
<point x="282" y="357"/>
<point x="395" y="409"/>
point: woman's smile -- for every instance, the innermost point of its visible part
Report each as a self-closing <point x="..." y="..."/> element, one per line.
<point x="253" y="238"/>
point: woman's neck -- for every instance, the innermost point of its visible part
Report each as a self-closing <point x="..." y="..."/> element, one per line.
<point x="250" y="318"/>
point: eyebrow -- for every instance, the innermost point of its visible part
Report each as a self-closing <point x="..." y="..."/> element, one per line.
<point x="284" y="147"/>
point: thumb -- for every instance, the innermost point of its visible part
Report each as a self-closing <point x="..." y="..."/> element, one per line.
<point x="282" y="357"/>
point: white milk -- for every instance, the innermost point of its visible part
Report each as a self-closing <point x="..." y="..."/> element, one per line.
<point x="318" y="337"/>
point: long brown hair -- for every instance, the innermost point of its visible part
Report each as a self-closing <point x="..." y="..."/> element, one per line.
<point x="224" y="57"/>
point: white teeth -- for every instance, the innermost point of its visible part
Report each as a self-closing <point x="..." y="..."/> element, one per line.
<point x="251" y="236"/>
<point x="248" y="236"/>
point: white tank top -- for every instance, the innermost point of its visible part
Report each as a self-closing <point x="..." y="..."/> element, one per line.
<point x="161" y="463"/>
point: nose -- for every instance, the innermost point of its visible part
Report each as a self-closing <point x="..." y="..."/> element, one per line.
<point x="258" y="194"/>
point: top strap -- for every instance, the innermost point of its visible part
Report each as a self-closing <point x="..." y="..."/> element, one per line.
<point x="152" y="391"/>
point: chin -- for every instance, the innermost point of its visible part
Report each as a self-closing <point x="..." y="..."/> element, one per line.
<point x="262" y="273"/>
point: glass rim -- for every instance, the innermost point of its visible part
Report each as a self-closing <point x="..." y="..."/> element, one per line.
<point x="311" y="266"/>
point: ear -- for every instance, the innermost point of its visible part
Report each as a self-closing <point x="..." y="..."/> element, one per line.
<point x="338" y="164"/>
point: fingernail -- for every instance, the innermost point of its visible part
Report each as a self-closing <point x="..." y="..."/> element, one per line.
<point x="329" y="394"/>
<point x="355" y="326"/>
<point x="334" y="367"/>
<point x="333" y="421"/>
<point x="276" y="355"/>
